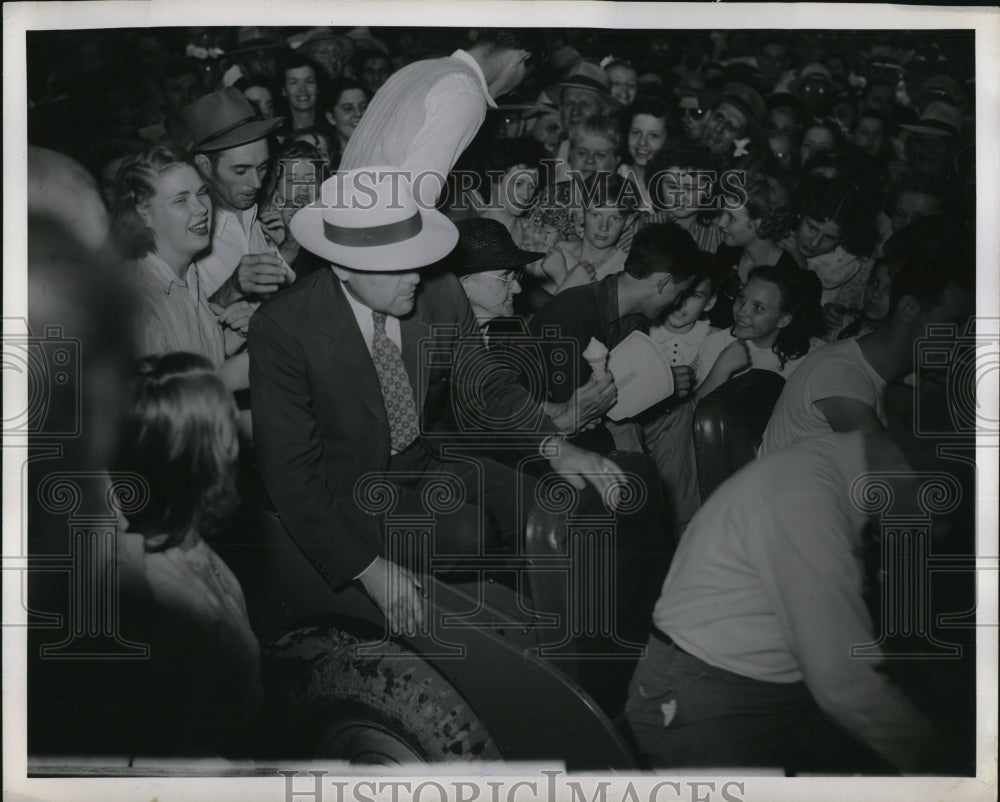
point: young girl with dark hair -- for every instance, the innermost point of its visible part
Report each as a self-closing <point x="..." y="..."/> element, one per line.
<point x="776" y="322"/>
<point x="201" y="683"/>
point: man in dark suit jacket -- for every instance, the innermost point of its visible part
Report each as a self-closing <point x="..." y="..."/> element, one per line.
<point x="329" y="408"/>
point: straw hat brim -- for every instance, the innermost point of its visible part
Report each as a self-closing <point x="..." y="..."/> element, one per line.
<point x="555" y="90"/>
<point x="436" y="239"/>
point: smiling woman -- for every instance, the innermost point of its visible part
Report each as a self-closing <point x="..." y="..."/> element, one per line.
<point x="161" y="219"/>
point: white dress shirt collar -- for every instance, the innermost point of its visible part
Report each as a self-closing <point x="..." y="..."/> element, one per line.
<point x="461" y="55"/>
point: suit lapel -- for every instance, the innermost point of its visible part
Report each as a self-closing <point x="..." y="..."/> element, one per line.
<point x="345" y="348"/>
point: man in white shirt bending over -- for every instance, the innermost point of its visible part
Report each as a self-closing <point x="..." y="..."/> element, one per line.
<point x="841" y="387"/>
<point x="427" y="113"/>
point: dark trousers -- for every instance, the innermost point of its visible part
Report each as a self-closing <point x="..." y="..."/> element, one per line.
<point x="684" y="712"/>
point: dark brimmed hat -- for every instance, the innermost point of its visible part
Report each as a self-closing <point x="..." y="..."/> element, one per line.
<point x="938" y="119"/>
<point x="251" y="39"/>
<point x="225" y="119"/>
<point x="485" y="244"/>
<point x="747" y="99"/>
<point x="586" y="75"/>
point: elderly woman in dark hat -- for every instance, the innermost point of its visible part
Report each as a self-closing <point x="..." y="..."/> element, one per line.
<point x="489" y="264"/>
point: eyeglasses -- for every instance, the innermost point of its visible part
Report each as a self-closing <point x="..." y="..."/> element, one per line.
<point x="694" y="114"/>
<point x="515" y="276"/>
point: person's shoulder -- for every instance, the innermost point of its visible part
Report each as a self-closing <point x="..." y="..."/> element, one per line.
<point x="292" y="302"/>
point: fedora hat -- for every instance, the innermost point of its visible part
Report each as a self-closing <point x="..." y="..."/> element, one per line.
<point x="586" y="75"/>
<point x="747" y="99"/>
<point x="367" y="220"/>
<point x="485" y="244"/>
<point x="938" y="119"/>
<point x="225" y="119"/>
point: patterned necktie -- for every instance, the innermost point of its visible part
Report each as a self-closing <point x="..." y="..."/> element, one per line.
<point x="396" y="390"/>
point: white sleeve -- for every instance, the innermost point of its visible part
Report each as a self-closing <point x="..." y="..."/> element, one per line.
<point x="815" y="584"/>
<point x="455" y="109"/>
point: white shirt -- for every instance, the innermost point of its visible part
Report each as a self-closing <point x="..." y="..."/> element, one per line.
<point x="838" y="370"/>
<point x="367" y="323"/>
<point x="234" y="235"/>
<point x="680" y="349"/>
<point x="767" y="583"/>
<point x="760" y="358"/>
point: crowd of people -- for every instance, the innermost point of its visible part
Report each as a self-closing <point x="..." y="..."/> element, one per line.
<point x="796" y="203"/>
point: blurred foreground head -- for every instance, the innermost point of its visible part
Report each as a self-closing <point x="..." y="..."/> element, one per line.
<point x="77" y="297"/>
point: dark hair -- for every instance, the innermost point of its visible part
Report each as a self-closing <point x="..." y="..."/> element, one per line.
<point x="652" y="105"/>
<point x="338" y="87"/>
<point x="179" y="433"/>
<point x="678" y="153"/>
<point x="801" y="296"/>
<point x="501" y="155"/>
<point x="505" y="39"/>
<point x="296" y="59"/>
<point x="664" y="248"/>
<point x="769" y="201"/>
<point x="832" y="127"/>
<point x="844" y="201"/>
<point x="178" y="66"/>
<point x="135" y="185"/>
<point x="926" y="276"/>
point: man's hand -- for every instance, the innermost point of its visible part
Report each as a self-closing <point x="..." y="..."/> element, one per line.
<point x="835" y="317"/>
<point x="237" y="316"/>
<point x="586" y="407"/>
<point x="579" y="467"/>
<point x="683" y="380"/>
<point x="262" y="274"/>
<point x="398" y="594"/>
<point x="273" y="224"/>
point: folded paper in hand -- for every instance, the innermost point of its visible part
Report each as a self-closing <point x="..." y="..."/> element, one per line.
<point x="642" y="375"/>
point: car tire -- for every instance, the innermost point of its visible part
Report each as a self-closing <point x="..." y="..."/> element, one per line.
<point x="328" y="703"/>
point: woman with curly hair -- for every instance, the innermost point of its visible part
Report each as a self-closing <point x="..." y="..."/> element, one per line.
<point x="777" y="321"/>
<point x="836" y="238"/>
<point x="750" y="235"/>
<point x="201" y="683"/>
<point x="161" y="219"/>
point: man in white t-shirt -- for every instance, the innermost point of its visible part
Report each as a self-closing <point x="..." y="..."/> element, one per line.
<point x="750" y="658"/>
<point x="841" y="387"/>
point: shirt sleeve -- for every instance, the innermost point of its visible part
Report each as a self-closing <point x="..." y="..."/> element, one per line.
<point x="454" y="111"/>
<point x="815" y="583"/>
<point x="841" y="378"/>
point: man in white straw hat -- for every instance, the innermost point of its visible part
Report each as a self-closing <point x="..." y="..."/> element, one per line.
<point x="427" y="113"/>
<point x="339" y="390"/>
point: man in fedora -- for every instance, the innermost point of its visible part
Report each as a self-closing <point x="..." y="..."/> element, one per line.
<point x="738" y="116"/>
<point x="583" y="93"/>
<point x="930" y="142"/>
<point x="230" y="148"/>
<point x="340" y="390"/>
<point x="425" y="115"/>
